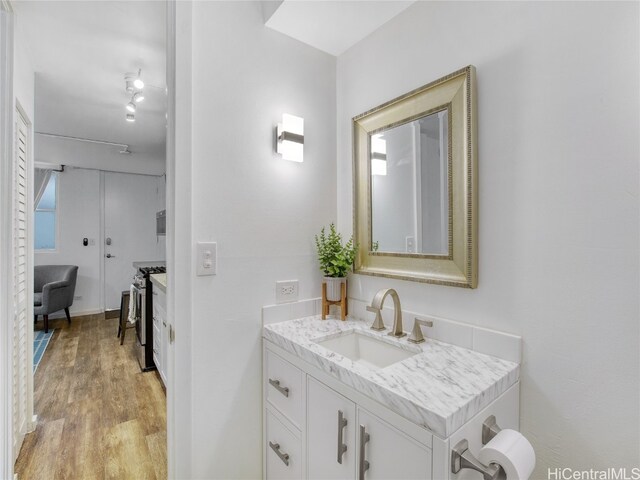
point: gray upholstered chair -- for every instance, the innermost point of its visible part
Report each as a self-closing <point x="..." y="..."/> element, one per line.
<point x="54" y="286"/>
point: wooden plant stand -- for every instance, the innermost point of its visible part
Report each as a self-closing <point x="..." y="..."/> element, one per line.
<point x="342" y="303"/>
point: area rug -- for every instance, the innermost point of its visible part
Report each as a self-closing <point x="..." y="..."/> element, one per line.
<point x="40" y="342"/>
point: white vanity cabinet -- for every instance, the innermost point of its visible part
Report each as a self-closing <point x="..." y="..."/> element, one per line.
<point x="311" y="431"/>
<point x="333" y="416"/>
<point x="160" y="335"/>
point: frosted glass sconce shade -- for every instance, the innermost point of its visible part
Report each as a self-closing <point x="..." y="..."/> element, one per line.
<point x="290" y="138"/>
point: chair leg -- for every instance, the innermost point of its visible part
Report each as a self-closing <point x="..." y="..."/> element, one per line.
<point x="66" y="310"/>
<point x="46" y="323"/>
<point x="123" y="328"/>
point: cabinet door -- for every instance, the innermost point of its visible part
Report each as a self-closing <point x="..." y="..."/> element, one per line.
<point x="331" y="423"/>
<point x="386" y="453"/>
<point x="157" y="333"/>
<point x="162" y="367"/>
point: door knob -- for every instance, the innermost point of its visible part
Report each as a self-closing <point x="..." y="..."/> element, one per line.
<point x="108" y="255"/>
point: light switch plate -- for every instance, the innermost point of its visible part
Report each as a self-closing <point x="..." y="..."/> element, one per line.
<point x="206" y="258"/>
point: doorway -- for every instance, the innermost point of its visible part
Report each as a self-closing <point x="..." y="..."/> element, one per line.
<point x="90" y="349"/>
<point x="130" y="206"/>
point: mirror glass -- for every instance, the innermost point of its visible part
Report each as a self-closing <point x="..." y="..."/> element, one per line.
<point x="410" y="207"/>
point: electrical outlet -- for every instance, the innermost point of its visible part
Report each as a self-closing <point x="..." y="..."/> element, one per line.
<point x="77" y="297"/>
<point x="286" y="291"/>
<point x="411" y="244"/>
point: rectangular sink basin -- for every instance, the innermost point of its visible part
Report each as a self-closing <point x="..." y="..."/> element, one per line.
<point x="366" y="350"/>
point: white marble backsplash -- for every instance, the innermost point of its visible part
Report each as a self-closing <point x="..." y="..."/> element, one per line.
<point x="441" y="387"/>
<point x="483" y="340"/>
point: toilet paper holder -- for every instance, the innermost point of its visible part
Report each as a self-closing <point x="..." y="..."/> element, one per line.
<point x="461" y="457"/>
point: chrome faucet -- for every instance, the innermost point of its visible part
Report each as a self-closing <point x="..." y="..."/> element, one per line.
<point x="376" y="307"/>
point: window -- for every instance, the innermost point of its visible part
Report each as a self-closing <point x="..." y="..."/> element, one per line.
<point x="46" y="216"/>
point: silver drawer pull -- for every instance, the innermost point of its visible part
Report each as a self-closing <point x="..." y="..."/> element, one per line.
<point x="364" y="465"/>
<point x="283" y="456"/>
<point x="276" y="384"/>
<point x="342" y="422"/>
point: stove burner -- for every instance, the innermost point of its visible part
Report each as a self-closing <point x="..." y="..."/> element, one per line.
<point x="151" y="270"/>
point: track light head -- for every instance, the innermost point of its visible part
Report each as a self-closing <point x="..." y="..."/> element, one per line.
<point x="131" y="107"/>
<point x="131" y="117"/>
<point x="133" y="81"/>
<point x="138" y="97"/>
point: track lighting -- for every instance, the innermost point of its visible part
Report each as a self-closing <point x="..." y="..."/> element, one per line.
<point x="133" y="81"/>
<point x="134" y="86"/>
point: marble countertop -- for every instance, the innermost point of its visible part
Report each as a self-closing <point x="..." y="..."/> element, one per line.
<point x="440" y="388"/>
<point x="160" y="280"/>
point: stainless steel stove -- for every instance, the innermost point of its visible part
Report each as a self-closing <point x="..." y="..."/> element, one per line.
<point x="143" y="298"/>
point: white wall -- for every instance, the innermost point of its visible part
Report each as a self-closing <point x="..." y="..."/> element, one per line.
<point x="263" y="212"/>
<point x="23" y="74"/>
<point x="80" y="216"/>
<point x="558" y="195"/>
<point x="393" y="210"/>
<point x="59" y="151"/>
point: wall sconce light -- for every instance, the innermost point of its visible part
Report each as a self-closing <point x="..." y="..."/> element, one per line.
<point x="290" y="138"/>
<point x="378" y="155"/>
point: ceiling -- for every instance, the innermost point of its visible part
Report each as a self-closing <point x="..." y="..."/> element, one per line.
<point x="331" y="26"/>
<point x="80" y="52"/>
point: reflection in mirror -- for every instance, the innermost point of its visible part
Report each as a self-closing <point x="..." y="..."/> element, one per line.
<point x="410" y="208"/>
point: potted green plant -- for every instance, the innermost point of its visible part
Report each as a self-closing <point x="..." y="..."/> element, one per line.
<point x="336" y="260"/>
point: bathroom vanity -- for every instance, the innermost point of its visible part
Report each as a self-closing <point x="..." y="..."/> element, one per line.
<point x="344" y="401"/>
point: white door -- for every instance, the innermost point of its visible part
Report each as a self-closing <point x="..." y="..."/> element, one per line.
<point x="130" y="206"/>
<point x="20" y="249"/>
<point x="390" y="453"/>
<point x="331" y="423"/>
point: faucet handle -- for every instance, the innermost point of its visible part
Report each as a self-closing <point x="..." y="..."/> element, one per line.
<point x="416" y="334"/>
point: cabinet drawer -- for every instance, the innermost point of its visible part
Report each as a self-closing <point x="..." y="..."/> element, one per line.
<point x="282" y="451"/>
<point x="284" y="387"/>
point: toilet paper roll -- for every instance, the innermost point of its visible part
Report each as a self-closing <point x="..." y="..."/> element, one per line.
<point x="512" y="451"/>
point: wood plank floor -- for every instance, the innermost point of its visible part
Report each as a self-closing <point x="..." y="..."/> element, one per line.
<point x="99" y="416"/>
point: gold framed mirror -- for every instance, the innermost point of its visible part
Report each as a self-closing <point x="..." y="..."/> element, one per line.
<point x="415" y="184"/>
